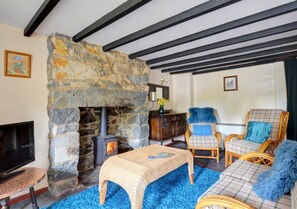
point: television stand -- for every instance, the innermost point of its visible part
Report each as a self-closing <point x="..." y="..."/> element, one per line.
<point x="26" y="180"/>
<point x="8" y="176"/>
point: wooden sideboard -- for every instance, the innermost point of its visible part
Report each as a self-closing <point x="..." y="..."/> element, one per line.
<point x="167" y="126"/>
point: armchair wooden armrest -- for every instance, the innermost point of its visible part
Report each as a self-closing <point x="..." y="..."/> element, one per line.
<point x="231" y="136"/>
<point x="265" y="145"/>
<point x="187" y="135"/>
<point x="257" y="157"/>
<point x="221" y="200"/>
<point x="218" y="135"/>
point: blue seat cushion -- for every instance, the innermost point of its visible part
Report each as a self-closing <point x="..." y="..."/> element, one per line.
<point x="202" y="130"/>
<point x="258" y="132"/>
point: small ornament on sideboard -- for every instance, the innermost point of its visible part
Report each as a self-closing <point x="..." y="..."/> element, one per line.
<point x="161" y="109"/>
<point x="162" y="102"/>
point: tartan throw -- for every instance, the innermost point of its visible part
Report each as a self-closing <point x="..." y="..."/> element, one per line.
<point x="242" y="191"/>
<point x="242" y="147"/>
<point x="245" y="170"/>
<point x="203" y="141"/>
<point x="267" y="115"/>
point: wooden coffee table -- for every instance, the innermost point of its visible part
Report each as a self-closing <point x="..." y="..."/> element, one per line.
<point x="133" y="171"/>
<point x="23" y="181"/>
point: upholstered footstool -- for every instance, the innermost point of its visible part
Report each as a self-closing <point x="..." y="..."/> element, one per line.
<point x="133" y="171"/>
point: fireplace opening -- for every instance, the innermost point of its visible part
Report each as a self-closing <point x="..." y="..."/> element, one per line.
<point x="99" y="140"/>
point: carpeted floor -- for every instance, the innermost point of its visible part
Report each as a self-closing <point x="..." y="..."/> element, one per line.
<point x="172" y="191"/>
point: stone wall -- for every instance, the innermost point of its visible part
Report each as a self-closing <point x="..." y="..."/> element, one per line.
<point x="88" y="128"/>
<point x="82" y="75"/>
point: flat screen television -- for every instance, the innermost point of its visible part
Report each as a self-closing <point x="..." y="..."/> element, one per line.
<point x="16" y="147"/>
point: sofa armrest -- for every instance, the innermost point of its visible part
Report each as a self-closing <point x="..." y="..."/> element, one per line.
<point x="257" y="157"/>
<point x="294" y="196"/>
<point x="221" y="200"/>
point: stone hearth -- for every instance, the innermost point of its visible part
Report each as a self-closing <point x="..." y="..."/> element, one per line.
<point x="82" y="75"/>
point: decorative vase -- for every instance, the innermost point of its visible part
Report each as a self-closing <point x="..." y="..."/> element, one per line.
<point x="161" y="109"/>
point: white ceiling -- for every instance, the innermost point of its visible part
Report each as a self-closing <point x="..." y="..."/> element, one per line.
<point x="71" y="16"/>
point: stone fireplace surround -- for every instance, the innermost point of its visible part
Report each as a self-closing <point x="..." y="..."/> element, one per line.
<point x="82" y="75"/>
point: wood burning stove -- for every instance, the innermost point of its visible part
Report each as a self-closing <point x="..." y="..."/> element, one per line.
<point x="104" y="145"/>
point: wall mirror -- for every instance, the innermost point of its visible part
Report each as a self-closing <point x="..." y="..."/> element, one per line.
<point x="160" y="91"/>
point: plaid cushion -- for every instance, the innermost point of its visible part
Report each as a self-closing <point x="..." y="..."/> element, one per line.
<point x="242" y="191"/>
<point x="294" y="196"/>
<point x="211" y="125"/>
<point x="203" y="141"/>
<point x="267" y="115"/>
<point x="241" y="147"/>
<point x="245" y="170"/>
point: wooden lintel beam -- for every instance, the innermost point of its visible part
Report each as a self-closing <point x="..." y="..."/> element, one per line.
<point x="119" y="12"/>
<point x="240" y="39"/>
<point x="46" y="7"/>
<point x="194" y="12"/>
<point x="230" y="52"/>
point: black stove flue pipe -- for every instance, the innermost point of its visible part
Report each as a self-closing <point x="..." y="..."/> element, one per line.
<point x="103" y="121"/>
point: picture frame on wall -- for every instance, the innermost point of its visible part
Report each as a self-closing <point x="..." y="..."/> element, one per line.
<point x="17" y="64"/>
<point x="230" y="83"/>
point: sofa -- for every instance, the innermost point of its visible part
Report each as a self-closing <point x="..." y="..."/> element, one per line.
<point x="234" y="188"/>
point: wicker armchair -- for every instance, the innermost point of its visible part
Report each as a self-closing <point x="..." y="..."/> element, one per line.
<point x="210" y="142"/>
<point x="235" y="146"/>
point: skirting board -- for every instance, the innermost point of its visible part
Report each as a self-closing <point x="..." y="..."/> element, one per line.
<point x="27" y="196"/>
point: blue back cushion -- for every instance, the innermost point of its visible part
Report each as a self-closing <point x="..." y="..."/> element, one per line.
<point x="282" y="175"/>
<point x="258" y="132"/>
<point x="202" y="130"/>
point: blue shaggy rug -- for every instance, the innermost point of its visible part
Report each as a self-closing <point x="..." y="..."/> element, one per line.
<point x="172" y="191"/>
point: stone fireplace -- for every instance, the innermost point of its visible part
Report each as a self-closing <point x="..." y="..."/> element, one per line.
<point x="81" y="75"/>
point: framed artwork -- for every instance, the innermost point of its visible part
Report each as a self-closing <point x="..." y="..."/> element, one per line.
<point x="17" y="64"/>
<point x="230" y="83"/>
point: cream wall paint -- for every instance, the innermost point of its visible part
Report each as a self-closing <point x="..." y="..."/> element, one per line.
<point x="183" y="92"/>
<point x="258" y="87"/>
<point x="24" y="99"/>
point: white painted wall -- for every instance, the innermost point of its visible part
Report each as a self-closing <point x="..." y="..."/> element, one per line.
<point x="23" y="99"/>
<point x="183" y="92"/>
<point x="258" y="87"/>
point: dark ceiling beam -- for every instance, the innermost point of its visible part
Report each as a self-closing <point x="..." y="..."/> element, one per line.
<point x="230" y="52"/>
<point x="119" y="12"/>
<point x="189" y="14"/>
<point x="243" y="65"/>
<point x="240" y="39"/>
<point x="274" y="58"/>
<point x="270" y="13"/>
<point x="46" y="7"/>
<point x="234" y="58"/>
<point x="233" y="67"/>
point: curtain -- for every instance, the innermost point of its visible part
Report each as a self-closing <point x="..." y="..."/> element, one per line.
<point x="291" y="83"/>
